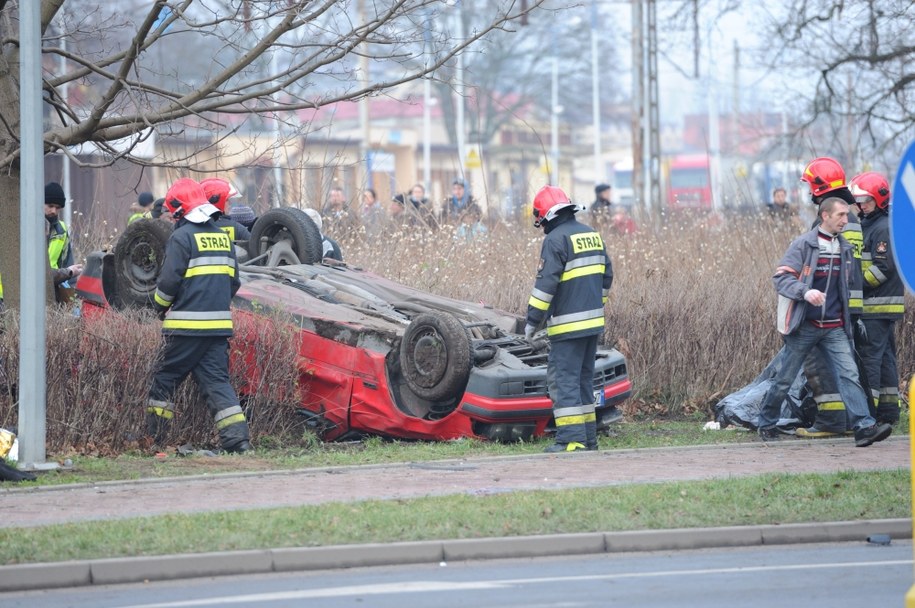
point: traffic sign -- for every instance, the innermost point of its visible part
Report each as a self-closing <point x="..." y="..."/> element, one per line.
<point x="902" y="218"/>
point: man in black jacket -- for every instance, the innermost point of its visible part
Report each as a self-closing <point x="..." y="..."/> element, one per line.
<point x="193" y="292"/>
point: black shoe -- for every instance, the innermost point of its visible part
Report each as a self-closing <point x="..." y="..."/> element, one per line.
<point x="573" y="446"/>
<point x="591" y="448"/>
<point x="872" y="434"/>
<point x="890" y="420"/>
<point x="239" y="448"/>
<point x="769" y="433"/>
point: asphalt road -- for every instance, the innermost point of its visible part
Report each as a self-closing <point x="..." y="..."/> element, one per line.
<point x="813" y="576"/>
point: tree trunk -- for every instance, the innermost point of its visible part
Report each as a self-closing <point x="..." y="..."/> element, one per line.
<point x="9" y="236"/>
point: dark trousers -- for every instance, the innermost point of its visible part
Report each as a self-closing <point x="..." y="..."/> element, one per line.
<point x="570" y="380"/>
<point x="207" y="358"/>
<point x="878" y="354"/>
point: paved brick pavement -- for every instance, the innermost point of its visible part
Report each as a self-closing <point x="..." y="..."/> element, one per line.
<point x="481" y="476"/>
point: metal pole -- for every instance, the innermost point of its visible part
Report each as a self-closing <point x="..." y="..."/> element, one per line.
<point x="364" y="126"/>
<point x="654" y="123"/>
<point x="427" y="108"/>
<point x="638" y="109"/>
<point x="459" y="91"/>
<point x="65" y="94"/>
<point x="278" y="138"/>
<point x="554" y="126"/>
<point x="33" y="262"/>
<point x="427" y="134"/>
<point x="595" y="96"/>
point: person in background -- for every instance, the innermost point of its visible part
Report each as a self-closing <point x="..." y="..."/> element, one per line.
<point x="331" y="249"/>
<point x="60" y="253"/>
<point x="471" y="227"/>
<point x="423" y="211"/>
<point x="780" y="209"/>
<point x="244" y="215"/>
<point x="142" y="208"/>
<point x="812" y="282"/>
<point x="194" y="289"/>
<point x="600" y="208"/>
<point x="622" y="223"/>
<point x="459" y="200"/>
<point x="572" y="285"/>
<point x="372" y="214"/>
<point x="884" y="295"/>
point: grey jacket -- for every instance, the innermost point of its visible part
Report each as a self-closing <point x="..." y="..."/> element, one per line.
<point x="794" y="277"/>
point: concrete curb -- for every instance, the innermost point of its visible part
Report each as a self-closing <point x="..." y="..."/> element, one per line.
<point x="170" y="567"/>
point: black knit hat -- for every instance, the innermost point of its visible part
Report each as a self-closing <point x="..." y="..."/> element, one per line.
<point x="145" y="199"/>
<point x="601" y="188"/>
<point x="54" y="195"/>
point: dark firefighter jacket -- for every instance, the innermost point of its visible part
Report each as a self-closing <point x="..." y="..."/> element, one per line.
<point x="572" y="283"/>
<point x="884" y="294"/>
<point x="198" y="279"/>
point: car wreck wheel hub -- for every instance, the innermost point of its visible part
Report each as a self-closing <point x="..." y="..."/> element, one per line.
<point x="430" y="357"/>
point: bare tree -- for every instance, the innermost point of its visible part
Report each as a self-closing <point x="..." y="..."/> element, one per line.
<point x="860" y="54"/>
<point x="206" y="66"/>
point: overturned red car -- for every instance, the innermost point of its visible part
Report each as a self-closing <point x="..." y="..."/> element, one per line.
<point x="375" y="357"/>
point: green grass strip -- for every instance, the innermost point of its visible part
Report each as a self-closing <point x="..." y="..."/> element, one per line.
<point x="766" y="499"/>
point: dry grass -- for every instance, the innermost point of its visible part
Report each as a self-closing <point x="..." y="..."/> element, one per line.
<point x="692" y="308"/>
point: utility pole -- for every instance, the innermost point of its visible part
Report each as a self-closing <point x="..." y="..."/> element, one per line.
<point x="638" y="108"/>
<point x="554" y="125"/>
<point x="459" y="89"/>
<point x="595" y="96"/>
<point x="364" y="145"/>
<point x="33" y="260"/>
<point x="654" y="126"/>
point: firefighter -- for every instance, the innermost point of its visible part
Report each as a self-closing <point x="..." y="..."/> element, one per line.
<point x="195" y="287"/>
<point x="219" y="192"/>
<point x="573" y="281"/>
<point x="60" y="254"/>
<point x="826" y="178"/>
<point x="884" y="301"/>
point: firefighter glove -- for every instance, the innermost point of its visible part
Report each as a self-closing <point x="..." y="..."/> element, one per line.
<point x="529" y="331"/>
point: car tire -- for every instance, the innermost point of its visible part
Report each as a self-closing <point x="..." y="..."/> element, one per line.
<point x="138" y="258"/>
<point x="290" y="226"/>
<point x="435" y="356"/>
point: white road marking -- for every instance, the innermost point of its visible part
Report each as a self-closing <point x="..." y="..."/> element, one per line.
<point x="440" y="586"/>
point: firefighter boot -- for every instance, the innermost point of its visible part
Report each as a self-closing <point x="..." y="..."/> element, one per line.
<point x="157" y="428"/>
<point x="234" y="438"/>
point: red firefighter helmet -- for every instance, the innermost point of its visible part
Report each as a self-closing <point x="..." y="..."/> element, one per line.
<point x="871" y="184"/>
<point x="218" y="191"/>
<point x="548" y="202"/>
<point x="186" y="199"/>
<point x="823" y="175"/>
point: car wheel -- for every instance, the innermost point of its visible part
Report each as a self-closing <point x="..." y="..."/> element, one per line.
<point x="138" y="258"/>
<point x="435" y="356"/>
<point x="290" y="229"/>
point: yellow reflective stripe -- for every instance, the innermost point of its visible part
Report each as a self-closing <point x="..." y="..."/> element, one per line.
<point x="567" y="420"/>
<point x="581" y="272"/>
<point x="855" y="302"/>
<point x="205" y="270"/>
<point x="538" y="303"/>
<point x="831" y="406"/>
<point x="592" y="417"/>
<point x="234" y="419"/>
<point x="885" y="308"/>
<point x="1" y="290"/>
<point x="565" y="328"/>
<point x="162" y="302"/>
<point x="603" y="300"/>
<point x="185" y="324"/>
<point x="161" y="412"/>
<point x="230" y="230"/>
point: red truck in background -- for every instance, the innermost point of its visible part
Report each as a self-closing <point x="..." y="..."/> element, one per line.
<point x="689" y="184"/>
